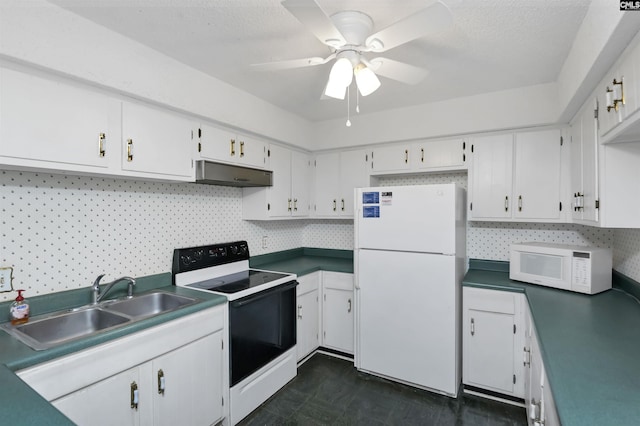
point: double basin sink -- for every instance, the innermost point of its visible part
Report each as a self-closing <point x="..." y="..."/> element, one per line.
<point x="50" y="330"/>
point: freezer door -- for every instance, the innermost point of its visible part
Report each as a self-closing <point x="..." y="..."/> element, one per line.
<point x="407" y="318"/>
<point x="407" y="218"/>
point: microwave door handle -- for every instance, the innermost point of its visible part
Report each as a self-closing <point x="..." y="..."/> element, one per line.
<point x="263" y="294"/>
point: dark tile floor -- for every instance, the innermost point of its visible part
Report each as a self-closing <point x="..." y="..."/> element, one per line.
<point x="330" y="391"/>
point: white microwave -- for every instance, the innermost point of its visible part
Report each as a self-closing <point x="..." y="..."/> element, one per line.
<point x="575" y="268"/>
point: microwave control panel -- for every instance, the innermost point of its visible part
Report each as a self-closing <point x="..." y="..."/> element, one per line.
<point x="581" y="266"/>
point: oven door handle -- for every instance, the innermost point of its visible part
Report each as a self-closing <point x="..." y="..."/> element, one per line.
<point x="263" y="294"/>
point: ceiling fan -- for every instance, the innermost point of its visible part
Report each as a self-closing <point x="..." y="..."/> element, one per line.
<point x="348" y="35"/>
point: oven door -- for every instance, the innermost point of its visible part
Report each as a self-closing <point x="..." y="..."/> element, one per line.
<point x="262" y="327"/>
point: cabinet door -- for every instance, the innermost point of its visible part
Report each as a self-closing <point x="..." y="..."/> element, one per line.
<point x="584" y="165"/>
<point x="441" y="154"/>
<point x="491" y="177"/>
<point x="489" y="350"/>
<point x="49" y="121"/>
<point x="251" y="152"/>
<point x="337" y="314"/>
<point x="300" y="176"/>
<point x="537" y="175"/>
<point x="107" y="402"/>
<point x="279" y="195"/>
<point x="156" y="142"/>
<point x="390" y="159"/>
<point x="217" y="144"/>
<point x="308" y="324"/>
<point x="327" y="182"/>
<point x="188" y="384"/>
<point x="354" y="173"/>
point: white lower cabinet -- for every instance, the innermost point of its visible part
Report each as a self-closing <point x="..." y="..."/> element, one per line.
<point x="492" y="340"/>
<point x="308" y="314"/>
<point x="337" y="311"/>
<point x="170" y="374"/>
<point x="538" y="398"/>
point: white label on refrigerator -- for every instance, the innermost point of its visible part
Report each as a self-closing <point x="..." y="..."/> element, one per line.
<point x="386" y="198"/>
<point x="370" y="198"/>
<point x="371" y="211"/>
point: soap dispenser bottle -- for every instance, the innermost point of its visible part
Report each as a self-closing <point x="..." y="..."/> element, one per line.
<point x="19" y="311"/>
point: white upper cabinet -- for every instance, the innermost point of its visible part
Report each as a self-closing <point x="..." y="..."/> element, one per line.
<point x="584" y="166"/>
<point x="440" y="155"/>
<point x="390" y="159"/>
<point x="288" y="196"/>
<point x="517" y="177"/>
<point x="490" y="176"/>
<point x="52" y="125"/>
<point x="229" y="147"/>
<point x="156" y="142"/>
<point x="336" y="177"/>
<point x="618" y="94"/>
<point x="537" y="175"/>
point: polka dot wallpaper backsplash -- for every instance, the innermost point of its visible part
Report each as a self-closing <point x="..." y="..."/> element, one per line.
<point x="59" y="232"/>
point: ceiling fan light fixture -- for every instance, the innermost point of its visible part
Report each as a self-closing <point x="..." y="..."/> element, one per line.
<point x="366" y="80"/>
<point x="341" y="73"/>
<point x="335" y="91"/>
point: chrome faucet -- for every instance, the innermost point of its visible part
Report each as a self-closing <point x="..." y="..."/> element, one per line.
<point x="98" y="295"/>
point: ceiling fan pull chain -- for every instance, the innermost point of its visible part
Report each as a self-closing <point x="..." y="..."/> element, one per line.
<point x="348" y="105"/>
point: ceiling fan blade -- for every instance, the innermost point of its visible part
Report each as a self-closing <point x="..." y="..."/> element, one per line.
<point x="430" y="20"/>
<point x="313" y="17"/>
<point x="398" y="71"/>
<point x="293" y="63"/>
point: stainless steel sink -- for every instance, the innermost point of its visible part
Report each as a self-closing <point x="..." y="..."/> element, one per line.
<point x="54" y="329"/>
<point x="46" y="331"/>
<point x="150" y="304"/>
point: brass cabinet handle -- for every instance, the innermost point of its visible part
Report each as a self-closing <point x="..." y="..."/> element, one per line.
<point x="506" y="203"/>
<point x="129" y="149"/>
<point x="134" y="395"/>
<point x="233" y="147"/>
<point x="161" y="382"/>
<point x="343" y="204"/>
<point x="101" y="138"/>
<point x="519" y="203"/>
<point x="406" y="156"/>
<point x="335" y="207"/>
<point x="241" y="149"/>
<point x="295" y="204"/>
<point x="349" y="310"/>
<point x="289" y="204"/>
<point x="422" y="155"/>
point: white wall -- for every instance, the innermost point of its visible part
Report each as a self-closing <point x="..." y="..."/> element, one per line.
<point x="508" y="109"/>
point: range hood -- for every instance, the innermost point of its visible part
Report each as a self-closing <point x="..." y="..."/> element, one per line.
<point x="212" y="173"/>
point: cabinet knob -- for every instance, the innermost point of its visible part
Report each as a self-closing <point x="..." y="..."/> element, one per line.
<point x="135" y="398"/>
<point x="129" y="149"/>
<point x="101" y="138"/>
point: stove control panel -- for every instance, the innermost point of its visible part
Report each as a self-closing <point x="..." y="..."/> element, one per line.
<point x="192" y="258"/>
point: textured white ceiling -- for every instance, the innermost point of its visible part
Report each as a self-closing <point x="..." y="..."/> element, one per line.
<point x="494" y="45"/>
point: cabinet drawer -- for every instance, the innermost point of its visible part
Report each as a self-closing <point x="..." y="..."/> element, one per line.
<point x="490" y="300"/>
<point x="337" y="280"/>
<point x="308" y="283"/>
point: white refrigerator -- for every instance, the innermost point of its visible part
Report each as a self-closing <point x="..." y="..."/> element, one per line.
<point x="410" y="258"/>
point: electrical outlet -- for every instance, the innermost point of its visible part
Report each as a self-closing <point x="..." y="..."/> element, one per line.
<point x="6" y="278"/>
<point x="264" y="242"/>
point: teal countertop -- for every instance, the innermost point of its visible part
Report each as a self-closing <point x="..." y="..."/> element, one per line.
<point x="303" y="261"/>
<point x="589" y="344"/>
<point x="21" y="405"/>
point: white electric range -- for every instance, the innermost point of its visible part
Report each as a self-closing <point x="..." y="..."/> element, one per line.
<point x="261" y="322"/>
